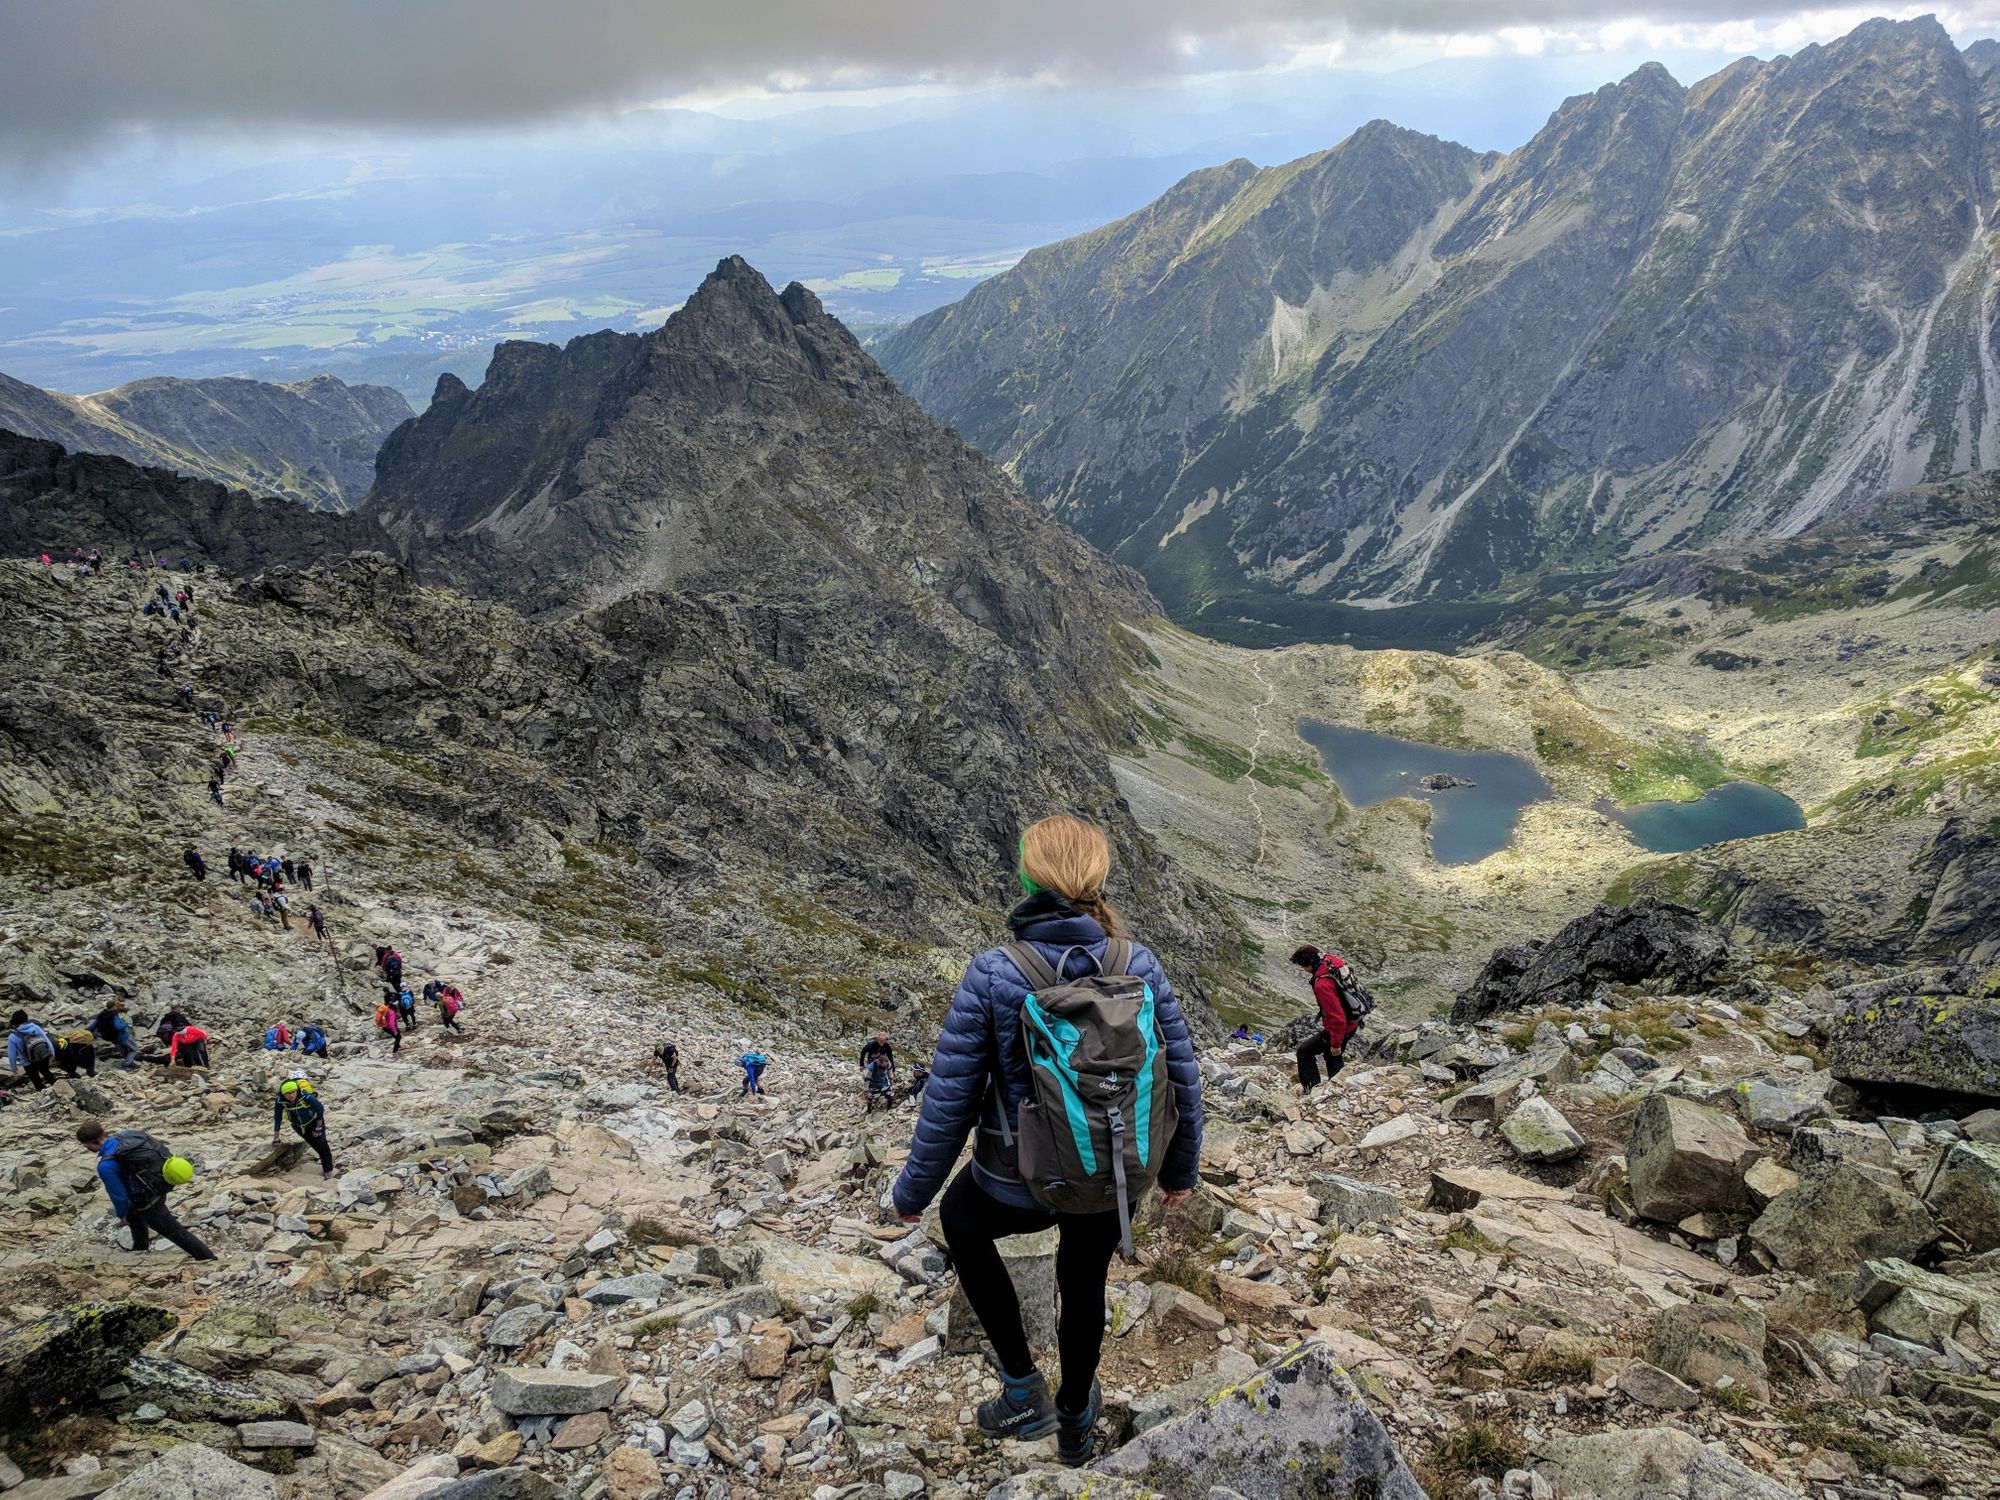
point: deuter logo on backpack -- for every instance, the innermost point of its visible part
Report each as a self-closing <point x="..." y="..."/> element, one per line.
<point x="1100" y="1110"/>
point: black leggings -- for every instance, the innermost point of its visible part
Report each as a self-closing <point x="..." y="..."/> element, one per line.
<point x="1310" y="1051"/>
<point x="314" y="1135"/>
<point x="159" y="1219"/>
<point x="973" y="1219"/>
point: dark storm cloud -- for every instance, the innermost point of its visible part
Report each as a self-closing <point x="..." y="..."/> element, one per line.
<point x="72" y="69"/>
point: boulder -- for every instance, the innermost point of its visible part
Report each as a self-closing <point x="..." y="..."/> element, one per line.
<point x="1296" y="1430"/>
<point x="192" y="1472"/>
<point x="525" y="1391"/>
<point x="1548" y="1062"/>
<point x="1684" y="1158"/>
<point x="1480" y="1101"/>
<point x="1920" y="1306"/>
<point x="1817" y="1147"/>
<point x="1030" y="1261"/>
<point x="1921" y="1030"/>
<point x="276" y="1435"/>
<point x="189" y="1395"/>
<point x="1963" y="1190"/>
<point x="1648" y="1463"/>
<point x="1617" y="945"/>
<point x="1782" y="1102"/>
<point x="1231" y="1367"/>
<point x="647" y="1286"/>
<point x="1347" y="1203"/>
<point x="1538" y="1132"/>
<point x="1651" y="1386"/>
<point x="518" y="1326"/>
<point x="1391" y="1132"/>
<point x="1842" y="1216"/>
<point x="420" y="1481"/>
<point x="230" y="1340"/>
<point x="62" y="1355"/>
<point x="1172" y="1304"/>
<point x="1712" y="1343"/>
<point x="1767" y="1180"/>
<point x="1456" y="1189"/>
<point x="631" y="1474"/>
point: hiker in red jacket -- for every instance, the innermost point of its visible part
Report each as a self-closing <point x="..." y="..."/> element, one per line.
<point x="1337" y="1024"/>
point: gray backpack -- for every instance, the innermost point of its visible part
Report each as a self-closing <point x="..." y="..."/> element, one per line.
<point x="1100" y="1111"/>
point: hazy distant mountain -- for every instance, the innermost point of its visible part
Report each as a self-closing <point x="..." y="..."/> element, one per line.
<point x="1398" y="370"/>
<point x="314" y="442"/>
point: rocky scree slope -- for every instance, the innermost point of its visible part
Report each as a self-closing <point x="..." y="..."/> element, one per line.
<point x="1400" y="370"/>
<point x="313" y="441"/>
<point x="1639" y="1246"/>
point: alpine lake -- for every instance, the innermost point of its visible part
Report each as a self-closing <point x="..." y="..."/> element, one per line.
<point x="1476" y="796"/>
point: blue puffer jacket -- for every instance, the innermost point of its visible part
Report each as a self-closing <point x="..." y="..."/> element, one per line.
<point x="980" y="1049"/>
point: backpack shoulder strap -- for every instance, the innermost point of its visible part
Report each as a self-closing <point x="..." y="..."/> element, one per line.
<point x="1034" y="968"/>
<point x="1117" y="958"/>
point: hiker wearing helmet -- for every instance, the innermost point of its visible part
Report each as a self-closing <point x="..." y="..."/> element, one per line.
<point x="298" y="1103"/>
<point x="1068" y="1002"/>
<point x="136" y="1172"/>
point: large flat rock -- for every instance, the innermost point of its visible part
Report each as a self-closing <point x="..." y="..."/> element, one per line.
<point x="525" y="1391"/>
<point x="1649" y="1463"/>
<point x="192" y="1472"/>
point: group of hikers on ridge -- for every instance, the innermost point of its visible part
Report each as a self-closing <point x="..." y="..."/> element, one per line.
<point x="396" y="1014"/>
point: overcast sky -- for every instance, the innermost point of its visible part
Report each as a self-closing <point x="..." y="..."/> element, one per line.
<point x="72" y="71"/>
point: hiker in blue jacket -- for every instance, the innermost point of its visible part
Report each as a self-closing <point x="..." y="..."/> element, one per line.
<point x="30" y="1051"/>
<point x="130" y="1164"/>
<point x="980" y="1078"/>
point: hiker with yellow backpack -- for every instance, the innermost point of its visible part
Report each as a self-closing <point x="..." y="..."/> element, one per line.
<point x="299" y="1104"/>
<point x="76" y="1051"/>
<point x="138" y="1172"/>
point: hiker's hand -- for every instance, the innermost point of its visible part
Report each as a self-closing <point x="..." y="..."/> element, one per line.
<point x="910" y="1218"/>
<point x="121" y="1221"/>
<point x="1175" y="1197"/>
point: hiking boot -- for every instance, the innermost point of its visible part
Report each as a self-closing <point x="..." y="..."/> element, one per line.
<point x="1022" y="1410"/>
<point x="1077" y="1434"/>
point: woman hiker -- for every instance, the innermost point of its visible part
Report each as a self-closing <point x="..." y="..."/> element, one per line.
<point x="980" y="1077"/>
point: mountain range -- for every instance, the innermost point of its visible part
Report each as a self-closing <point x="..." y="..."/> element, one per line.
<point x="313" y="441"/>
<point x="1402" y="371"/>
<point x="719" y="599"/>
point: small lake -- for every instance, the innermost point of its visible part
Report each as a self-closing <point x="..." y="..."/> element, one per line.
<point x="1467" y="822"/>
<point x="1734" y="810"/>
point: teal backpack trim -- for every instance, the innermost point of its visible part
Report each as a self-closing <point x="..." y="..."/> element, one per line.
<point x="1060" y="1053"/>
<point x="1142" y="1106"/>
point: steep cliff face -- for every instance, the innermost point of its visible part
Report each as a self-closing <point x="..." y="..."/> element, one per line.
<point x="1400" y="371"/>
<point x="313" y="441"/>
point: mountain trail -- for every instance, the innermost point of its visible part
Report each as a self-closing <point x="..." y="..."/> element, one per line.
<point x="1263" y="729"/>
